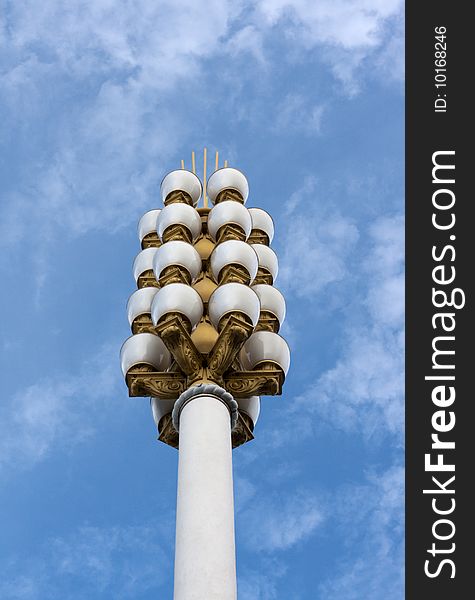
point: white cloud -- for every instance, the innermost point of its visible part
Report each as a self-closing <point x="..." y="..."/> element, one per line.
<point x="56" y="410"/>
<point x="117" y="561"/>
<point x="98" y="77"/>
<point x="126" y="559"/>
<point x="262" y="584"/>
<point x="318" y="240"/>
<point x="296" y="115"/>
<point x="348" y="33"/>
<point x="364" y="390"/>
<point x="278" y="522"/>
<point x="371" y="517"/>
<point x="247" y="40"/>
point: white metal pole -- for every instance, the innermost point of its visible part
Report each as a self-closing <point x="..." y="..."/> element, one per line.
<point x="205" y="563"/>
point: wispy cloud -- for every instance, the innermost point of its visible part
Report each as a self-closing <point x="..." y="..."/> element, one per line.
<point x="262" y="584"/>
<point x="297" y="115"/>
<point x="364" y="390"/>
<point x="348" y="34"/>
<point x="279" y="521"/>
<point x="371" y="517"/>
<point x="56" y="410"/>
<point x="318" y="240"/>
<point x="92" y="562"/>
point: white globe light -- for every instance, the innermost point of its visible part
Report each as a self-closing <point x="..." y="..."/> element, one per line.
<point x="232" y="297"/>
<point x="144" y="348"/>
<point x="265" y="346"/>
<point x="224" y="179"/>
<point x="271" y="300"/>
<point x="144" y="261"/>
<point x="229" y="212"/>
<point x="262" y="221"/>
<point x="160" y="408"/>
<point x="180" y="298"/>
<point x="179" y="214"/>
<point x="267" y="259"/>
<point x="148" y="223"/>
<point x="177" y="253"/>
<point x="234" y="252"/>
<point x="181" y="180"/>
<point x="251" y="406"/>
<point x="140" y="303"/>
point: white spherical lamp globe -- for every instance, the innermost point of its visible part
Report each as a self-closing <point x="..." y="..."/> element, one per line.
<point x="229" y="213"/>
<point x="267" y="259"/>
<point x="262" y="221"/>
<point x="177" y="253"/>
<point x="234" y="252"/>
<point x="251" y="406"/>
<point x="160" y="408"/>
<point x="271" y="300"/>
<point x="179" y="214"/>
<point x="177" y="298"/>
<point x="227" y="179"/>
<point x="144" y="262"/>
<point x="144" y="348"/>
<point x="140" y="303"/>
<point x="233" y="297"/>
<point x="148" y="223"/>
<point x="265" y="346"/>
<point x="184" y="181"/>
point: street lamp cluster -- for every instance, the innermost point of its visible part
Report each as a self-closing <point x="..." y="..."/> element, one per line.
<point x="204" y="347"/>
<point x="205" y="309"/>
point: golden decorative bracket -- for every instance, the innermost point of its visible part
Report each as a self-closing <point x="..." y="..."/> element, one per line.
<point x="176" y="338"/>
<point x="261" y="382"/>
<point x="233" y="335"/>
<point x="164" y="385"/>
<point x="147" y="279"/>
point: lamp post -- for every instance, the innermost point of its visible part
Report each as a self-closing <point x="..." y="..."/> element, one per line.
<point x="205" y="347"/>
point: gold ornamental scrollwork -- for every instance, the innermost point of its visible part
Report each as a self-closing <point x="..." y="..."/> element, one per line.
<point x="233" y="335"/>
<point x="243" y="384"/>
<point x="176" y="338"/>
<point x="164" y="385"/>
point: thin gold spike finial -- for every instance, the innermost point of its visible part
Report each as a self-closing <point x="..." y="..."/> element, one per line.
<point x="193" y="164"/>
<point x="225" y="163"/>
<point x="205" y="198"/>
<point x="216" y="161"/>
<point x="182" y="164"/>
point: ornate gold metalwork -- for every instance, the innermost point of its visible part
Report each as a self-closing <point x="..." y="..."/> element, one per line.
<point x="164" y="385"/>
<point x="178" y="196"/>
<point x="174" y="331"/>
<point x="242" y="433"/>
<point x="229" y="194"/>
<point x="167" y="433"/>
<point x="174" y="274"/>
<point x="177" y="232"/>
<point x="143" y="324"/>
<point x="263" y="276"/>
<point x="151" y="240"/>
<point x="147" y="279"/>
<point x="260" y="382"/>
<point x="258" y="236"/>
<point x="268" y="322"/>
<point x="230" y="231"/>
<point x="234" y="274"/>
<point x="231" y="338"/>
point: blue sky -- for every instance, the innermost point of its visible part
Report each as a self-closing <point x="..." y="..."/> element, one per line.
<point x="99" y="100"/>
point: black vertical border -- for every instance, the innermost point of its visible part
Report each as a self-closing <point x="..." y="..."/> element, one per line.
<point x="427" y="132"/>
